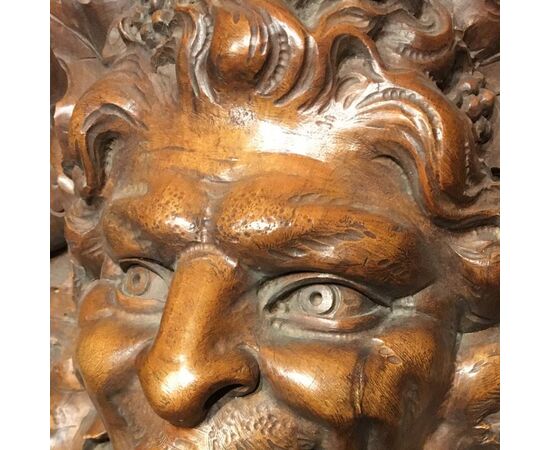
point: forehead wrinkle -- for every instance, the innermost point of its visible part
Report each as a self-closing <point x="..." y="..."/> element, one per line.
<point x="195" y="166"/>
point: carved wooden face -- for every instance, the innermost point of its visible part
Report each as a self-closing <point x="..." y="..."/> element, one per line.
<point x="261" y="270"/>
<point x="252" y="296"/>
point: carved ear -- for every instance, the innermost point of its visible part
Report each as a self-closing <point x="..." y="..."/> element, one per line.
<point x="479" y="253"/>
<point x="112" y="109"/>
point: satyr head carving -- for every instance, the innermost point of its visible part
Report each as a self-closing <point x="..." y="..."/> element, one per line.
<point x="283" y="226"/>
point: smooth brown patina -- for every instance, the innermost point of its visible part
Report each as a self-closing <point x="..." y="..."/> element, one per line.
<point x="282" y="219"/>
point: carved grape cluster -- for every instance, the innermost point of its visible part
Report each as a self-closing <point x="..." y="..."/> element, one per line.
<point x="471" y="96"/>
<point x="152" y="25"/>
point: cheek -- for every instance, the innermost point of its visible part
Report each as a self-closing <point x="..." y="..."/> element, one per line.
<point x="315" y="378"/>
<point x="408" y="371"/>
<point x="380" y="378"/>
<point x="98" y="302"/>
<point x="107" y="347"/>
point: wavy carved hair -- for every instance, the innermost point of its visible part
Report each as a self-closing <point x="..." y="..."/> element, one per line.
<point x="258" y="52"/>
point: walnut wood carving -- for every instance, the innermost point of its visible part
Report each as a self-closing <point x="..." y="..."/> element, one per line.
<point x="281" y="221"/>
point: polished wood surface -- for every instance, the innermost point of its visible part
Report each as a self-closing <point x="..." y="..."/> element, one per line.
<point x="281" y="222"/>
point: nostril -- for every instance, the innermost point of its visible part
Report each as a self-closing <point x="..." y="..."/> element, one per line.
<point x="190" y="390"/>
<point x="231" y="390"/>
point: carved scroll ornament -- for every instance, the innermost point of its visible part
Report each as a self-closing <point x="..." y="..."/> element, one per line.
<point x="282" y="222"/>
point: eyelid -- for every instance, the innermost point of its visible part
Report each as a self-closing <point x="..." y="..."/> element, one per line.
<point x="153" y="266"/>
<point x="278" y="288"/>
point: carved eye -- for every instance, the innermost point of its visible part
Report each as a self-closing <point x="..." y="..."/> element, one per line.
<point x="137" y="281"/>
<point x="144" y="285"/>
<point x="326" y="306"/>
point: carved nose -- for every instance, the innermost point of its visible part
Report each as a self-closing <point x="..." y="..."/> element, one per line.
<point x="200" y="352"/>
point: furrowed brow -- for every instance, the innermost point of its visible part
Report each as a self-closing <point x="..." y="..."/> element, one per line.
<point x="343" y="239"/>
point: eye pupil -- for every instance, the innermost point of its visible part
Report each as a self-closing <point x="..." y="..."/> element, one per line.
<point x="316" y="298"/>
<point x="137" y="281"/>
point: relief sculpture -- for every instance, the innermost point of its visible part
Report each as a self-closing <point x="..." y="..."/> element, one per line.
<point x="275" y="224"/>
